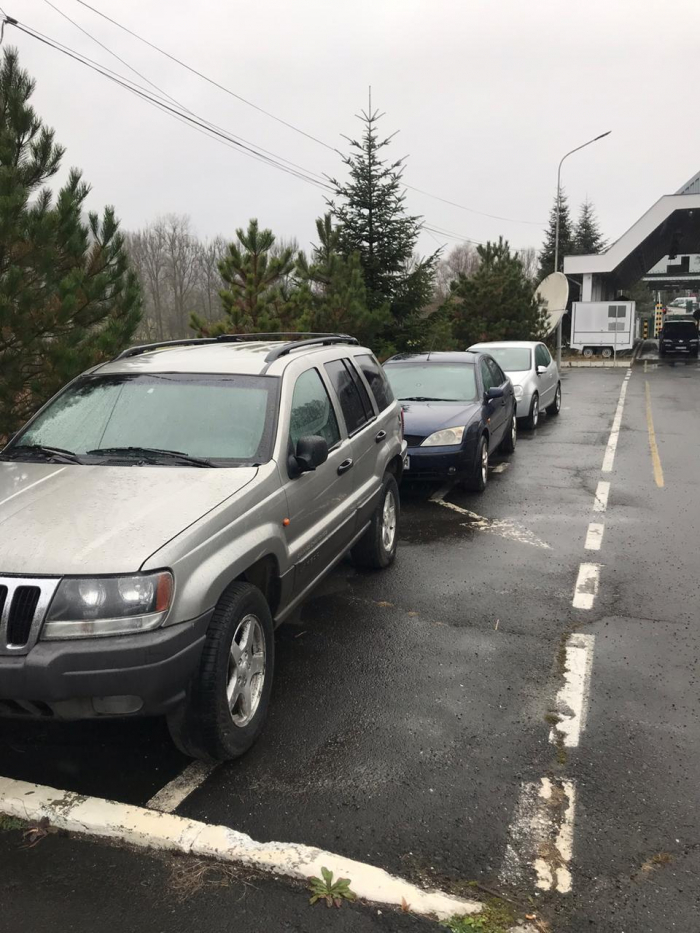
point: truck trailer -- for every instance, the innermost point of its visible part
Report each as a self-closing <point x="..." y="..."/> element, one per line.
<point x="602" y="327"/>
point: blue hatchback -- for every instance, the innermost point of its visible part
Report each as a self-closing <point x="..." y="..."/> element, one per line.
<point x="458" y="409"/>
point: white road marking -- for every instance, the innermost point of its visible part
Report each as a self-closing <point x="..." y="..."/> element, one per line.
<point x="499" y="468"/>
<point x="609" y="457"/>
<point x="152" y="829"/>
<point x="572" y="699"/>
<point x="594" y="536"/>
<point x="586" y="586"/>
<point x="601" y="496"/>
<point x="541" y="836"/>
<point x="169" y="798"/>
<point x="512" y="530"/>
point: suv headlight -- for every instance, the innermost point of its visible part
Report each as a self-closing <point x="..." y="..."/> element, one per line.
<point x="445" y="438"/>
<point x="94" y="606"/>
<point x="518" y="392"/>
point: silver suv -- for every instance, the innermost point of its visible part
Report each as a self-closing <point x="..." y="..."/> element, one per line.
<point x="167" y="509"/>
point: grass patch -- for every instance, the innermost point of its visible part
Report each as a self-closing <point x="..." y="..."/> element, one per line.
<point x="9" y="824"/>
<point x="553" y="719"/>
<point x="496" y="917"/>
<point x="189" y="877"/>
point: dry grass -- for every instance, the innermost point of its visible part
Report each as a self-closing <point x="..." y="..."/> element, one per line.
<point x="190" y="876"/>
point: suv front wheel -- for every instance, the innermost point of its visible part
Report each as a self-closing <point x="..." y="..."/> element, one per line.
<point x="229" y="696"/>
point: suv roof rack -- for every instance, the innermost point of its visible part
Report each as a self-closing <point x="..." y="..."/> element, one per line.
<point x="320" y="340"/>
<point x="310" y="339"/>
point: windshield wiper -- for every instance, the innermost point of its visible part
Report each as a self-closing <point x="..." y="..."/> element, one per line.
<point x="150" y="454"/>
<point x="50" y="453"/>
<point x="426" y="398"/>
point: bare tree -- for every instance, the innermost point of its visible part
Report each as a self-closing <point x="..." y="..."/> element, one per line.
<point x="530" y="258"/>
<point x="462" y="259"/>
<point x="146" y="249"/>
<point x="182" y="263"/>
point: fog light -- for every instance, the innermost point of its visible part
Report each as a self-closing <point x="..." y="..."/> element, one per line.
<point x="116" y="706"/>
<point x="452" y="470"/>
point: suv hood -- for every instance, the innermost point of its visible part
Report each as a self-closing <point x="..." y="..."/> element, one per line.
<point x="73" y="519"/>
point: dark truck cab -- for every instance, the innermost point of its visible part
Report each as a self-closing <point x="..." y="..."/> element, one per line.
<point x="679" y="338"/>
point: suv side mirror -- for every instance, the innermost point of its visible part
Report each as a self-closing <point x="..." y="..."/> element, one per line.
<point x="495" y="392"/>
<point x="311" y="452"/>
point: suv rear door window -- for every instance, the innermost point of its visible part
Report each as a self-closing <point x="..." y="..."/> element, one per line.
<point x="353" y="405"/>
<point x="378" y="383"/>
<point x="312" y="411"/>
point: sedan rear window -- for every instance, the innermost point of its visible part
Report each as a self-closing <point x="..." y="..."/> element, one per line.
<point x="511" y="359"/>
<point x="432" y="382"/>
<point x="217" y="417"/>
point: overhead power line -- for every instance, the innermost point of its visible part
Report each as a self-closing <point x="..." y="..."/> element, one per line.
<point x="181" y="114"/>
<point x="286" y="123"/>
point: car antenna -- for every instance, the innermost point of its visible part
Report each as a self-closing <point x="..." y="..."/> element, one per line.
<point x="431" y="347"/>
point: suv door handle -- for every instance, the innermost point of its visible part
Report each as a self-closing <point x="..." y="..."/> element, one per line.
<point x="344" y="466"/>
<point x="380" y="436"/>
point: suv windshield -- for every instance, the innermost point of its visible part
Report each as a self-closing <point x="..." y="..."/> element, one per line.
<point x="149" y="417"/>
<point x="511" y="359"/>
<point x="432" y="382"/>
<point x="680" y="330"/>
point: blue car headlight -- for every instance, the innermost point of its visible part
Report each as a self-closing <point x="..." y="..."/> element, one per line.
<point x="446" y="438"/>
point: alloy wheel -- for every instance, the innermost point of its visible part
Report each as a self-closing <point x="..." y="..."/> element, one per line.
<point x="389" y="521"/>
<point x="246" y="670"/>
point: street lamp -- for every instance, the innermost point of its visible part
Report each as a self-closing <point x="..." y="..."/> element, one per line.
<point x="556" y="236"/>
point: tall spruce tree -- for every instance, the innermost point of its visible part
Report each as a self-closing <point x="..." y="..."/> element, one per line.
<point x="566" y="238"/>
<point x="258" y="297"/>
<point x="68" y="298"/>
<point x="587" y="236"/>
<point x="371" y="213"/>
<point x="333" y="297"/>
<point x="497" y="301"/>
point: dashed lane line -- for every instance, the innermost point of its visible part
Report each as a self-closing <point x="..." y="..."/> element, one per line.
<point x="572" y="699"/>
<point x="594" y="536"/>
<point x="169" y="798"/>
<point x="586" y="588"/>
<point x="131" y="825"/>
<point x="601" y="496"/>
<point x="609" y="457"/>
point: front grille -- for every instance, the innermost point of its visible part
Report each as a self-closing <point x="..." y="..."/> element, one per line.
<point x="414" y="440"/>
<point x="24" y="602"/>
<point x="21" y="616"/>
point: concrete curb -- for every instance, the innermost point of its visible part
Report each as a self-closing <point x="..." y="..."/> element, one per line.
<point x="138" y="826"/>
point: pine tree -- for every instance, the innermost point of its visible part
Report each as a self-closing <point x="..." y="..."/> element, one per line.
<point x="68" y="298"/>
<point x="497" y="302"/>
<point x="333" y="294"/>
<point x="258" y="297"/>
<point x="587" y="236"/>
<point x="566" y="238"/>
<point x="373" y="221"/>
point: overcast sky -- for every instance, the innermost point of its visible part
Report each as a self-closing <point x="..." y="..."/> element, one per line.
<point x="487" y="95"/>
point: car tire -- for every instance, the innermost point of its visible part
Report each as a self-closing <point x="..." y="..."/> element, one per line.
<point x="208" y="726"/>
<point x="511" y="436"/>
<point x="476" y="482"/>
<point x="376" y="549"/>
<point x="533" y="417"/>
<point x="554" y="409"/>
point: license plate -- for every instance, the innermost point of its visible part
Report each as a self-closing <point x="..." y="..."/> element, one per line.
<point x="406" y="462"/>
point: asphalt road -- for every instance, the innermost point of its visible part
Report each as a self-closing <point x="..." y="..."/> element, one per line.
<point x="411" y="707"/>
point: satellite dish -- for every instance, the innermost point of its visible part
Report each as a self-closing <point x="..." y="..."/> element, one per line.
<point x="553" y="295"/>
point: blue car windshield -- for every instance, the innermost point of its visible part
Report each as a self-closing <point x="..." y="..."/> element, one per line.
<point x="437" y="382"/>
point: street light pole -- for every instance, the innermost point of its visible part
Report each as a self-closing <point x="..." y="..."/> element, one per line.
<point x="556" y="235"/>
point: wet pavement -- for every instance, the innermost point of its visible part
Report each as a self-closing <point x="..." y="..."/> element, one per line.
<point x="409" y="705"/>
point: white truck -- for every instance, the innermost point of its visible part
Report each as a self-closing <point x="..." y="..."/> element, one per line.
<point x="602" y="327"/>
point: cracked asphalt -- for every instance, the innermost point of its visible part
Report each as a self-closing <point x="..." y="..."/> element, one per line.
<point x="409" y="706"/>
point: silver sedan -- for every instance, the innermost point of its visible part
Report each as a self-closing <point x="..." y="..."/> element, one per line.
<point x="534" y="374"/>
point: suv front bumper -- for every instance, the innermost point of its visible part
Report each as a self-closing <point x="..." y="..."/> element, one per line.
<point x="144" y="674"/>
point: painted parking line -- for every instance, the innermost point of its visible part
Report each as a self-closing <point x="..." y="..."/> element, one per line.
<point x="653" y="447"/>
<point x="601" y="496"/>
<point x="586" y="588"/>
<point x="169" y="798"/>
<point x="609" y="457"/>
<point x="541" y="836"/>
<point x="514" y="531"/>
<point x="572" y="699"/>
<point x="137" y="826"/>
<point x="594" y="536"/>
